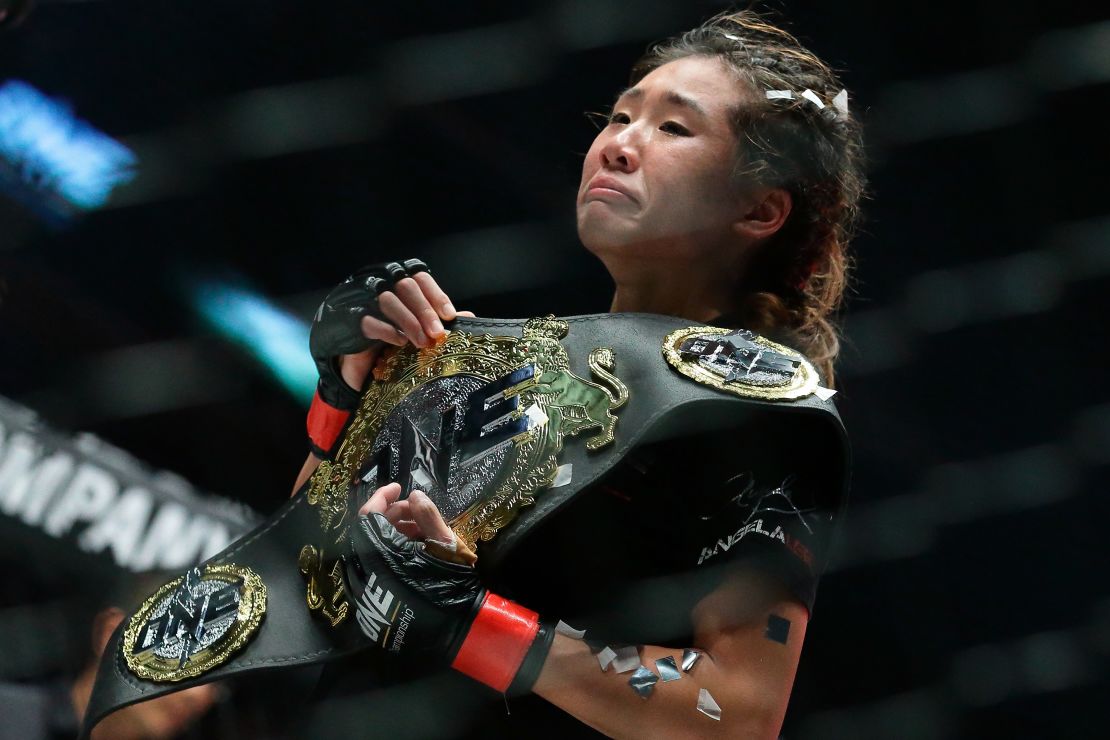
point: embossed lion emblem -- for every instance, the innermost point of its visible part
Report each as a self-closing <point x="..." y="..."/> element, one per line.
<point x="580" y="404"/>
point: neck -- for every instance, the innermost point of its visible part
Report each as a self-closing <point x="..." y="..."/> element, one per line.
<point x="675" y="294"/>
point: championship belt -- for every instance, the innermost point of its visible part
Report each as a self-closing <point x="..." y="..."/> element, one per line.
<point x="502" y="424"/>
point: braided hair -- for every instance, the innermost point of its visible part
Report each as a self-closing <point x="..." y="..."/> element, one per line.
<point x="796" y="282"/>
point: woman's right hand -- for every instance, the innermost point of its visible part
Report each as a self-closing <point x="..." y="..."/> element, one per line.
<point x="390" y="303"/>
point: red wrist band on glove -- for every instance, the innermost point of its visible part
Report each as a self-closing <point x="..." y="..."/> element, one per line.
<point x="325" y="422"/>
<point x="497" y="642"/>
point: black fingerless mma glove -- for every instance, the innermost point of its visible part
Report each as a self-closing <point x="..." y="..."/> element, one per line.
<point x="337" y="330"/>
<point x="414" y="605"/>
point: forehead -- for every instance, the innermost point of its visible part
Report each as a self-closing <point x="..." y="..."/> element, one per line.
<point x="705" y="80"/>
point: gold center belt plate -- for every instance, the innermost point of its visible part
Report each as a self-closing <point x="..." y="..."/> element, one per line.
<point x="477" y="422"/>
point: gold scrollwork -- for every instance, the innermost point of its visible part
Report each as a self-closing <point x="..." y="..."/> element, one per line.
<point x="323" y="587"/>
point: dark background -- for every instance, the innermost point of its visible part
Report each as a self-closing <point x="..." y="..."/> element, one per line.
<point x="280" y="144"/>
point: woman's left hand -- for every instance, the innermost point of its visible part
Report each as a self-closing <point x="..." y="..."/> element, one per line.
<point x="418" y="518"/>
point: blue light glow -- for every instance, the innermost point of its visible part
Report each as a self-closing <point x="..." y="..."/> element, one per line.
<point x="49" y="149"/>
<point x="275" y="337"/>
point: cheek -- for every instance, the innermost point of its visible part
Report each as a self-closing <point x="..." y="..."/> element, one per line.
<point x="708" y="188"/>
<point x="590" y="163"/>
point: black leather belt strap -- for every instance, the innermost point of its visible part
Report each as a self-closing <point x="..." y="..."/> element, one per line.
<point x="662" y="404"/>
<point x="287" y="636"/>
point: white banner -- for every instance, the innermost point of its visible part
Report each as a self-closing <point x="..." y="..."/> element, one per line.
<point x="96" y="498"/>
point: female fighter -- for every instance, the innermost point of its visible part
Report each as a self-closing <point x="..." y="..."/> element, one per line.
<point x="723" y="189"/>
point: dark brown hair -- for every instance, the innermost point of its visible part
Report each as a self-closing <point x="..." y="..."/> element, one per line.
<point x="795" y="283"/>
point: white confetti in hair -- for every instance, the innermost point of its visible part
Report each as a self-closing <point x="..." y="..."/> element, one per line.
<point x="812" y="97"/>
<point x="780" y="95"/>
<point x="840" y="102"/>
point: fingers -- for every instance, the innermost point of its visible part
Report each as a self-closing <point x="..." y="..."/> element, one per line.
<point x="400" y="316"/>
<point x="377" y="329"/>
<point x="417" y="517"/>
<point x="435" y="295"/>
<point x="398" y="512"/>
<point x="416" y="305"/>
<point x="426" y="331"/>
<point x="413" y="298"/>
<point x="427" y="517"/>
<point x="409" y="529"/>
<point x="381" y="500"/>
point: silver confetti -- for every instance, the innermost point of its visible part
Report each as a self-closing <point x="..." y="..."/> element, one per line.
<point x="627" y="659"/>
<point x="667" y="669"/>
<point x="840" y="102"/>
<point x="605" y="657"/>
<point x="643" y="681"/>
<point x="565" y="629"/>
<point x="824" y="393"/>
<point x="689" y="657"/>
<point x="707" y="706"/>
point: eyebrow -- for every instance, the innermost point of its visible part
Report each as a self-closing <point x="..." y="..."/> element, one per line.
<point x="671" y="96"/>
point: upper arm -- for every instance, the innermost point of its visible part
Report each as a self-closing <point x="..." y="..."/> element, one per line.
<point x="752" y="628"/>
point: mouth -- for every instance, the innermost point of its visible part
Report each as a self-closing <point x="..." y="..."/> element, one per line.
<point x="607" y="188"/>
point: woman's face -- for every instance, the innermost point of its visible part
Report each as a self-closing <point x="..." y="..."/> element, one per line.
<point x="657" y="182"/>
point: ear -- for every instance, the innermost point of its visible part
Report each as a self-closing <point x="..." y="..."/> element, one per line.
<point x="767" y="213"/>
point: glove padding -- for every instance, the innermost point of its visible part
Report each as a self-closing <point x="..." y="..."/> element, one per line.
<point x="407" y="601"/>
<point x="337" y="325"/>
<point x="414" y="605"/>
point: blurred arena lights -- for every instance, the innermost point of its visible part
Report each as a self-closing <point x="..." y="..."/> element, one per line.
<point x="53" y="162"/>
<point x="272" y="335"/>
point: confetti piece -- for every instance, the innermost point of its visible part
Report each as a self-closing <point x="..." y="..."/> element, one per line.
<point x="565" y="629"/>
<point x="812" y="97"/>
<point x="689" y="657"/>
<point x="627" y="659"/>
<point x="707" y="706"/>
<point x="667" y="669"/>
<point x="778" y="629"/>
<point x="605" y="657"/>
<point x="563" y="476"/>
<point x="643" y="681"/>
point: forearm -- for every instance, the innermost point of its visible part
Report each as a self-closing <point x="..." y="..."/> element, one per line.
<point x="572" y="680"/>
<point x="310" y="464"/>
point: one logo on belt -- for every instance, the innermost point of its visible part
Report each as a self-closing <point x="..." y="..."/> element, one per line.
<point x="740" y="362"/>
<point x="194" y="623"/>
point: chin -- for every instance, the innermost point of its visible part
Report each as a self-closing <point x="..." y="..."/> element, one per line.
<point x="603" y="237"/>
<point x="601" y="245"/>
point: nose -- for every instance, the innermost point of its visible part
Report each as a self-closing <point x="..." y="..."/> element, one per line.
<point x="620" y="153"/>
